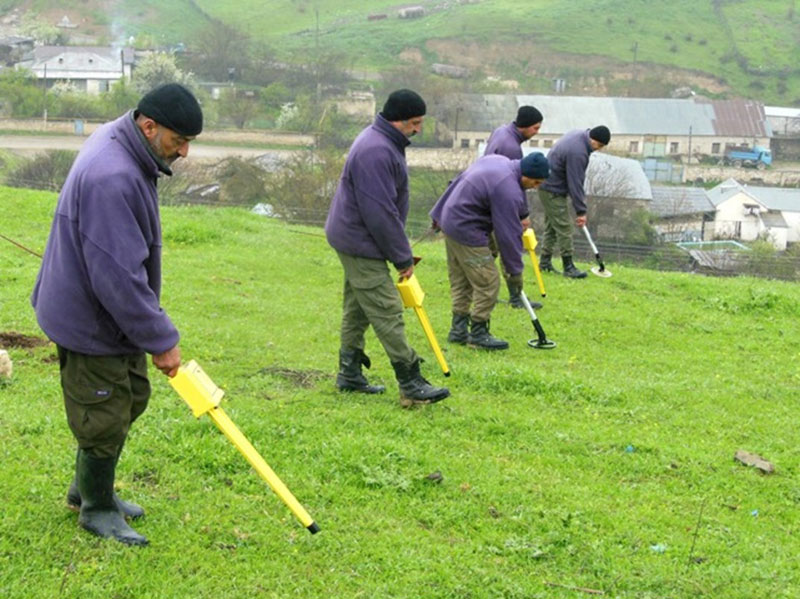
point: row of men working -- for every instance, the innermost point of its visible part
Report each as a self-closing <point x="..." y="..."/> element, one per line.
<point x="97" y="295"/>
<point x="482" y="213"/>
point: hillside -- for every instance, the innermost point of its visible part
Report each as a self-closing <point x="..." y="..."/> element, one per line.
<point x="608" y="47"/>
<point x="603" y="464"/>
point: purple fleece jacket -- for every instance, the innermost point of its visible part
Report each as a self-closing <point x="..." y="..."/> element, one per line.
<point x="568" y="160"/>
<point x="507" y="141"/>
<point x="368" y="213"/>
<point x="486" y="197"/>
<point x="98" y="288"/>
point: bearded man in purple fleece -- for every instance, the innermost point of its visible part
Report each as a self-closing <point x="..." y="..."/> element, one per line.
<point x="569" y="159"/>
<point x="488" y="197"/>
<point x="366" y="227"/>
<point x="97" y="293"/>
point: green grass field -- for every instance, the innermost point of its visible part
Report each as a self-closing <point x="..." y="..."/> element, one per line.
<point x="605" y="464"/>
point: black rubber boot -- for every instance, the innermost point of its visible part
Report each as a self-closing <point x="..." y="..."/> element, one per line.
<point x="570" y="270"/>
<point x="459" y="329"/>
<point x="350" y="377"/>
<point x="480" y="337"/>
<point x="414" y="389"/>
<point x="128" y="509"/>
<point x="515" y="298"/>
<point x="99" y="513"/>
<point x="546" y="264"/>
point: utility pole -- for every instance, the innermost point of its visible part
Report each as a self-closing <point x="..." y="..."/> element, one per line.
<point x="44" y="96"/>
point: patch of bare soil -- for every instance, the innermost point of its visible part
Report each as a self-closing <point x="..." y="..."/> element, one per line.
<point x="12" y="339"/>
<point x="300" y="378"/>
<point x="539" y="61"/>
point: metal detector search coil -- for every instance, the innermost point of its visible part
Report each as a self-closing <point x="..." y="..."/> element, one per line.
<point x="412" y="296"/>
<point x="203" y="396"/>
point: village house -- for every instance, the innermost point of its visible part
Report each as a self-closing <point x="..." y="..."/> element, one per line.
<point x="747" y="213"/>
<point x="92" y="69"/>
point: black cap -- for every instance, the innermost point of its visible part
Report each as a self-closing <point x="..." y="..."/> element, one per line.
<point x="402" y="105"/>
<point x="601" y="134"/>
<point x="535" y="166"/>
<point x="527" y="116"/>
<point x="174" y="107"/>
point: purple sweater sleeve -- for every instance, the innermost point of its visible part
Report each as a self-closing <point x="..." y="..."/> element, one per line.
<point x="118" y="238"/>
<point x="576" y="173"/>
<point x="507" y="201"/>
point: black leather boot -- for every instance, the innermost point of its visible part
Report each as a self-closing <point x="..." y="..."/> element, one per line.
<point x="128" y="509"/>
<point x="459" y="329"/>
<point x="350" y="377"/>
<point x="414" y="389"/>
<point x="99" y="513"/>
<point x="546" y="263"/>
<point x="570" y="270"/>
<point x="480" y="337"/>
<point x="515" y="298"/>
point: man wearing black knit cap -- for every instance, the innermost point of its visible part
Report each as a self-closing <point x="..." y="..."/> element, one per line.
<point x="366" y="227"/>
<point x="97" y="293"/>
<point x="569" y="159"/>
<point x="507" y="141"/>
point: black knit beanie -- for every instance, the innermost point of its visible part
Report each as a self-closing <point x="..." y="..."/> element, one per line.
<point x="527" y="116"/>
<point x="601" y="134"/>
<point x="174" y="107"/>
<point x="402" y="105"/>
<point x="535" y="166"/>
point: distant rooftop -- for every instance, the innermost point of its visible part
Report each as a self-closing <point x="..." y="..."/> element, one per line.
<point x="624" y="116"/>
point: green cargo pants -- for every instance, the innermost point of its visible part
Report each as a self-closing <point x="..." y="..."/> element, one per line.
<point x="371" y="298"/>
<point x="474" y="279"/>
<point x="103" y="396"/>
<point x="557" y="224"/>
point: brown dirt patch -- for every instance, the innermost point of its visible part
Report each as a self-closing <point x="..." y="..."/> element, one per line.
<point x="12" y="339"/>
<point x="300" y="378"/>
<point x="596" y="69"/>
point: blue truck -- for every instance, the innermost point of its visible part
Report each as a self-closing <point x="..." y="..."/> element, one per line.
<point x="755" y="157"/>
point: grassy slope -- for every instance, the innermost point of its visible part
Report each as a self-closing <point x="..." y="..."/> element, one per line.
<point x="682" y="33"/>
<point x="608" y="28"/>
<point x="538" y="485"/>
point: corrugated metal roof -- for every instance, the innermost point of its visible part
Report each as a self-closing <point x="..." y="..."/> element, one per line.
<point x="623" y="116"/>
<point x="782" y="112"/>
<point x="679" y="201"/>
<point x="780" y="199"/>
<point x="91" y="58"/>
<point x="776" y="198"/>
<point x="744" y="118"/>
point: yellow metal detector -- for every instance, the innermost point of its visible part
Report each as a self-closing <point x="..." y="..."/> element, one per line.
<point x="413" y="295"/>
<point x="203" y="397"/>
<point x="529" y="243"/>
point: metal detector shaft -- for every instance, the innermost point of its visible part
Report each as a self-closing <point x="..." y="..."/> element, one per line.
<point x="594" y="248"/>
<point x="536" y="325"/>
<point x="203" y="396"/>
<point x="412" y="295"/>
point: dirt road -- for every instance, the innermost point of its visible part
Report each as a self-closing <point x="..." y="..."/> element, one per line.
<point x="32" y="144"/>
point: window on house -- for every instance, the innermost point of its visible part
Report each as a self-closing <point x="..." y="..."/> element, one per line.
<point x="673" y="147"/>
<point x="478" y="142"/>
<point x="633" y="147"/>
<point x="715" y="148"/>
<point x="464" y="143"/>
<point x="548" y="143"/>
<point x="534" y="143"/>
